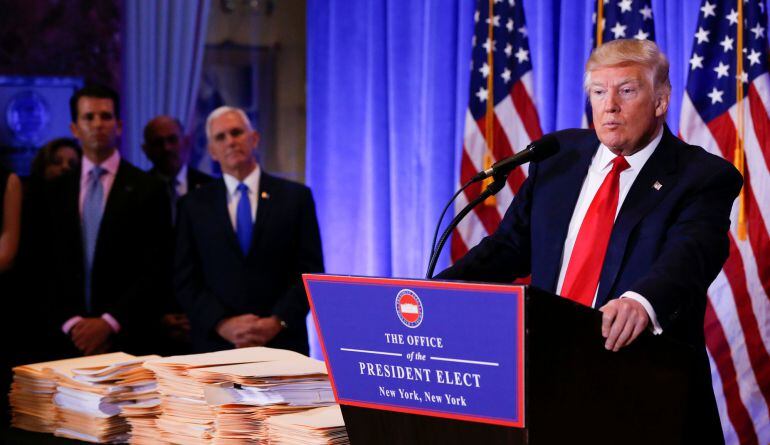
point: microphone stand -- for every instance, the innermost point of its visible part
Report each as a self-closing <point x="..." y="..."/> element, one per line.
<point x="492" y="189"/>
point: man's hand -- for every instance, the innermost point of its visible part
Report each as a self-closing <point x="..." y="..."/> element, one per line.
<point x="91" y="336"/>
<point x="267" y="328"/>
<point x="238" y="330"/>
<point x="623" y="320"/>
<point x="249" y="330"/>
<point x="177" y="326"/>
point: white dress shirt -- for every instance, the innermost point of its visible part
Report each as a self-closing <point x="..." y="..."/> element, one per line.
<point x="181" y="181"/>
<point x="234" y="196"/>
<point x="601" y="165"/>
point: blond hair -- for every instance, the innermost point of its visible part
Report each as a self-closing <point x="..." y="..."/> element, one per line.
<point x="626" y="51"/>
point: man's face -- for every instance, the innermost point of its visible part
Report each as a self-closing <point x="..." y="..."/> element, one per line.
<point x="96" y="126"/>
<point x="165" y="146"/>
<point x="626" y="111"/>
<point x="232" y="143"/>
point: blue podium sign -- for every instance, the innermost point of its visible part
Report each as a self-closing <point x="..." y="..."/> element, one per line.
<point x="453" y="350"/>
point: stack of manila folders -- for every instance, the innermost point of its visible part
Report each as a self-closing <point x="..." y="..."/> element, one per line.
<point x="226" y="397"/>
<point x="82" y="398"/>
<point x="216" y="398"/>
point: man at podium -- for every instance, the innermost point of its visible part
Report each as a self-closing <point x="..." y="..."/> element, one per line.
<point x="625" y="218"/>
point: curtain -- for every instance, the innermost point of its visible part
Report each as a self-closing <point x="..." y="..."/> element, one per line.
<point x="162" y="65"/>
<point x="386" y="97"/>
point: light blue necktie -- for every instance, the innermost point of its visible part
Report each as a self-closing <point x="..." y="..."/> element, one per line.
<point x="243" y="225"/>
<point x="93" y="209"/>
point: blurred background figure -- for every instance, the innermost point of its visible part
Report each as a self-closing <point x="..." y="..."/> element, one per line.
<point x="168" y="148"/>
<point x="57" y="157"/>
<point x="10" y="222"/>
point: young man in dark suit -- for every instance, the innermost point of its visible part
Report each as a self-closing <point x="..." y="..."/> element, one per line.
<point x="168" y="148"/>
<point x="99" y="237"/>
<point x="243" y="242"/>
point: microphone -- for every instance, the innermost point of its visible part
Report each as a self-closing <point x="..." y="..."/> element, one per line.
<point x="536" y="151"/>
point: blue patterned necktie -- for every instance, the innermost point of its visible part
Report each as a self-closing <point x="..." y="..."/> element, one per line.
<point x="93" y="209"/>
<point x="243" y="225"/>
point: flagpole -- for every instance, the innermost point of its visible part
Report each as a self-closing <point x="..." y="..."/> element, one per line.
<point x="739" y="157"/>
<point x="489" y="120"/>
<point x="599" y="16"/>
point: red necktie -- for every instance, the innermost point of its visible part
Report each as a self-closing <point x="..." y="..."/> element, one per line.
<point x="585" y="264"/>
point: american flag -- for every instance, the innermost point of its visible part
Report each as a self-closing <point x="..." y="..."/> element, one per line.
<point x="501" y="118"/>
<point x="725" y="110"/>
<point x="620" y="19"/>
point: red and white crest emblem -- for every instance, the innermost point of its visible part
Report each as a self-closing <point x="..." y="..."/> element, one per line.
<point x="409" y="308"/>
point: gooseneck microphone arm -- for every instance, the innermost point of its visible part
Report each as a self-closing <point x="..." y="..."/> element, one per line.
<point x="536" y="151"/>
<point x="492" y="189"/>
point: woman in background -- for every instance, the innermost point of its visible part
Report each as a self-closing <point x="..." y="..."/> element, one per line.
<point x="10" y="229"/>
<point x="56" y="158"/>
<point x="10" y="221"/>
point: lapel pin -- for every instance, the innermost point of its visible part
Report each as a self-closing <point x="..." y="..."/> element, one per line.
<point x="265" y="195"/>
<point x="657" y="185"/>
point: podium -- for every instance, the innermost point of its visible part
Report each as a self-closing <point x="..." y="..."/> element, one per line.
<point x="575" y="391"/>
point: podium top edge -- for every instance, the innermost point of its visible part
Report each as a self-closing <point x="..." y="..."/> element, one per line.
<point x="423" y="283"/>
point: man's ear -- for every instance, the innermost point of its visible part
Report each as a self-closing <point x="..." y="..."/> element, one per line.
<point x="661" y="104"/>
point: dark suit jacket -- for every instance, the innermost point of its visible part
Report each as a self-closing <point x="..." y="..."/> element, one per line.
<point x="213" y="278"/>
<point x="131" y="250"/>
<point x="668" y="244"/>
<point x="195" y="178"/>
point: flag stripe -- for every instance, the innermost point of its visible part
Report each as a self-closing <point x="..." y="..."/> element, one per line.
<point x="503" y="150"/>
<point x="487" y="215"/>
<point x="723" y="130"/>
<point x="758" y="356"/>
<point x="527" y="112"/>
<point x="458" y="247"/>
<point x="761" y="124"/>
<point x="720" y="352"/>
<point x="730" y="435"/>
<point x="748" y="389"/>
<point x="760" y="242"/>
<point x="469" y="228"/>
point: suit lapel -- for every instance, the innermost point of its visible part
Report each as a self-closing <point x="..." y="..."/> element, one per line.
<point x="222" y="215"/>
<point x="563" y="192"/>
<point x="120" y="193"/>
<point x="69" y="201"/>
<point x="641" y="199"/>
<point x="265" y="204"/>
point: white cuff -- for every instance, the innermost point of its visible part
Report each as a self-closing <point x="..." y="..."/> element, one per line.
<point x="655" y="326"/>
